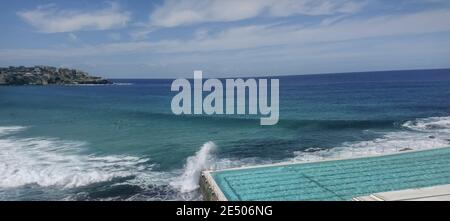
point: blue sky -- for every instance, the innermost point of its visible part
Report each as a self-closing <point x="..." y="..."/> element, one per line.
<point x="166" y="38"/>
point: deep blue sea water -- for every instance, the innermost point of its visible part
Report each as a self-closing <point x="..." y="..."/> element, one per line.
<point x="122" y="142"/>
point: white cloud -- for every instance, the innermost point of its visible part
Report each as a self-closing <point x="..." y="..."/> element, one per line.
<point x="260" y="36"/>
<point x="255" y="36"/>
<point x="49" y="19"/>
<point x="176" y="13"/>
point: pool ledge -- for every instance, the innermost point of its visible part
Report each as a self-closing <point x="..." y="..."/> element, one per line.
<point x="435" y="193"/>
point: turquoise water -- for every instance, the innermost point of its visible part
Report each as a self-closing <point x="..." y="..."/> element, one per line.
<point x="337" y="180"/>
<point x="122" y="142"/>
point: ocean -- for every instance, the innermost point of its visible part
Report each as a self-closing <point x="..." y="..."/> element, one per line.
<point x="122" y="142"/>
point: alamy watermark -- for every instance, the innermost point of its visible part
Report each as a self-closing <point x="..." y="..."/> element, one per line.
<point x="235" y="97"/>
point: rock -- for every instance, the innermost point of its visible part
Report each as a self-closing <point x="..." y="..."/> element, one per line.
<point x="2" y="79"/>
<point x="44" y="75"/>
<point x="405" y="149"/>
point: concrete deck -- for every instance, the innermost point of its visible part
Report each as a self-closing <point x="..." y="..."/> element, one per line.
<point x="435" y="193"/>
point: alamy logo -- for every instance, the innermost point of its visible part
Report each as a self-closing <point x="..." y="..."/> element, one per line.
<point x="235" y="97"/>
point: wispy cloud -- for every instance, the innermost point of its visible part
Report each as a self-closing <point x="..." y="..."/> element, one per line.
<point x="259" y="36"/>
<point x="185" y="12"/>
<point x="255" y="36"/>
<point x="50" y="19"/>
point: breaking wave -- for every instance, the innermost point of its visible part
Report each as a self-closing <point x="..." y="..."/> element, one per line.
<point x="419" y="134"/>
<point x="54" y="162"/>
<point x="62" y="164"/>
<point x="8" y="130"/>
<point x="440" y="125"/>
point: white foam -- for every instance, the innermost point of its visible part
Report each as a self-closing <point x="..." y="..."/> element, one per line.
<point x="430" y="125"/>
<point x="122" y="84"/>
<point x="419" y="134"/>
<point x="10" y="130"/>
<point x="202" y="160"/>
<point x="53" y="162"/>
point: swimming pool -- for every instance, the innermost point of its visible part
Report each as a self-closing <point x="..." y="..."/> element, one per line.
<point x="336" y="180"/>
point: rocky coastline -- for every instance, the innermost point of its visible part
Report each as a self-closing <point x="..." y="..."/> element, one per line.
<point x="46" y="75"/>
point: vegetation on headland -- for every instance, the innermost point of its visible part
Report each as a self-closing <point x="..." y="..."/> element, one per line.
<point x="44" y="75"/>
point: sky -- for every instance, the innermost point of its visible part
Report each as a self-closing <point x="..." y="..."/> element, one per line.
<point x="170" y="39"/>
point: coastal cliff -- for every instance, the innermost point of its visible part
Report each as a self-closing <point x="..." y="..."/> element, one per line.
<point x="44" y="75"/>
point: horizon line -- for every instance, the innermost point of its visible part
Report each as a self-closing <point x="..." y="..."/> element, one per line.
<point x="294" y="75"/>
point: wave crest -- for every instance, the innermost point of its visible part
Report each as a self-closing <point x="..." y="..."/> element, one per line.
<point x="419" y="134"/>
<point x="9" y="130"/>
<point x="53" y="162"/>
<point x="430" y="125"/>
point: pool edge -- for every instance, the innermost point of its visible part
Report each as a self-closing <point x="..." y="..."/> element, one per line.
<point x="209" y="188"/>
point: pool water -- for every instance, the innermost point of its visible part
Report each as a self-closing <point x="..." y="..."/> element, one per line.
<point x="337" y="180"/>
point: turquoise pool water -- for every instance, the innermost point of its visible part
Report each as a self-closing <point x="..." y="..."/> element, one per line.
<point x="337" y="180"/>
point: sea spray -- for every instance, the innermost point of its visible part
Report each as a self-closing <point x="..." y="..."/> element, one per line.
<point x="202" y="160"/>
